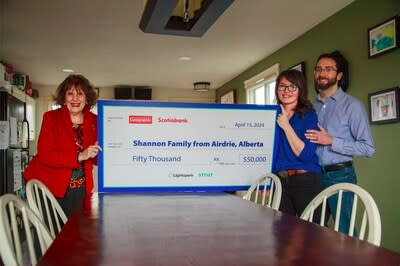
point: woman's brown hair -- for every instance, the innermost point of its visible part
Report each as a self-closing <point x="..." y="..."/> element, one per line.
<point x="78" y="81"/>
<point x="297" y="78"/>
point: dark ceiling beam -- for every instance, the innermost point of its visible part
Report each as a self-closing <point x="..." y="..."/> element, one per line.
<point x="157" y="18"/>
<point x="156" y="15"/>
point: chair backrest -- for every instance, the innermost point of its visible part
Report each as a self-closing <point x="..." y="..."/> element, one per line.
<point x="370" y="215"/>
<point x="17" y="222"/>
<point x="271" y="191"/>
<point x="45" y="205"/>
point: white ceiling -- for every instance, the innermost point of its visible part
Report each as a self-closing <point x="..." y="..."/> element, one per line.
<point x="101" y="39"/>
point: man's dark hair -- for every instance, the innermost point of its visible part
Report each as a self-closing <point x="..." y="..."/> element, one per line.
<point x="341" y="65"/>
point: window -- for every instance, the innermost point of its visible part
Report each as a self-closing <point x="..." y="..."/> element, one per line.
<point x="260" y="89"/>
<point x="94" y="109"/>
<point x="52" y="106"/>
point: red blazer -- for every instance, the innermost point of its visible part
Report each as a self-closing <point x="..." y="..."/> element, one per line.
<point x="57" y="152"/>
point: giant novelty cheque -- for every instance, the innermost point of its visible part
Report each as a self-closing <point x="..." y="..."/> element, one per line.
<point x="158" y="146"/>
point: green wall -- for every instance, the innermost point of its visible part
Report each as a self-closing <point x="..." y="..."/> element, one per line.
<point x="346" y="31"/>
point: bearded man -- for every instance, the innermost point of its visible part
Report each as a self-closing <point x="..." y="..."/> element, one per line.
<point x="343" y="132"/>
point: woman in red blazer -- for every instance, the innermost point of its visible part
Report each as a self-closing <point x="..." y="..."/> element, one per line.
<point x="67" y="145"/>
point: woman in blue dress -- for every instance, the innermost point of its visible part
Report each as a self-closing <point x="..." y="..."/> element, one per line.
<point x="296" y="162"/>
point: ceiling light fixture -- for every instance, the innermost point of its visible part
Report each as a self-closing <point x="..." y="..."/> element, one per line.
<point x="181" y="17"/>
<point x="68" y="70"/>
<point x="201" y="86"/>
<point x="184" y="58"/>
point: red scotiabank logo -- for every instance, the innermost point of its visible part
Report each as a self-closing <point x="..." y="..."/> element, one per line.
<point x="140" y="119"/>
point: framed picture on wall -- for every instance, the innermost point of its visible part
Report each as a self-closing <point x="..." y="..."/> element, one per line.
<point x="300" y="67"/>
<point x="383" y="37"/>
<point x="229" y="97"/>
<point x="384" y="106"/>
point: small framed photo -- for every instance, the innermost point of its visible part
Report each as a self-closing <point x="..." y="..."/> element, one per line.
<point x="384" y="106"/>
<point x="384" y="37"/>
<point x="229" y="97"/>
<point x="300" y="67"/>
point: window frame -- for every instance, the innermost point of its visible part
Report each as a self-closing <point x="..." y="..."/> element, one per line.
<point x="263" y="79"/>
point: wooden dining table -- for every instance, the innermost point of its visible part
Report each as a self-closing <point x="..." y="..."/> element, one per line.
<point x="208" y="228"/>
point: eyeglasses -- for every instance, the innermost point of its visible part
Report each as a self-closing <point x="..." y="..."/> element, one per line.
<point x="283" y="87"/>
<point x="327" y="70"/>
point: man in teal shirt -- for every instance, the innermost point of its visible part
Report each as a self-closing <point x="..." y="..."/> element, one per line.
<point x="343" y="132"/>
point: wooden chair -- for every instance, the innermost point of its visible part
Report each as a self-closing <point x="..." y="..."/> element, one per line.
<point x="271" y="192"/>
<point x="45" y="205"/>
<point x="19" y="222"/>
<point x="370" y="214"/>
